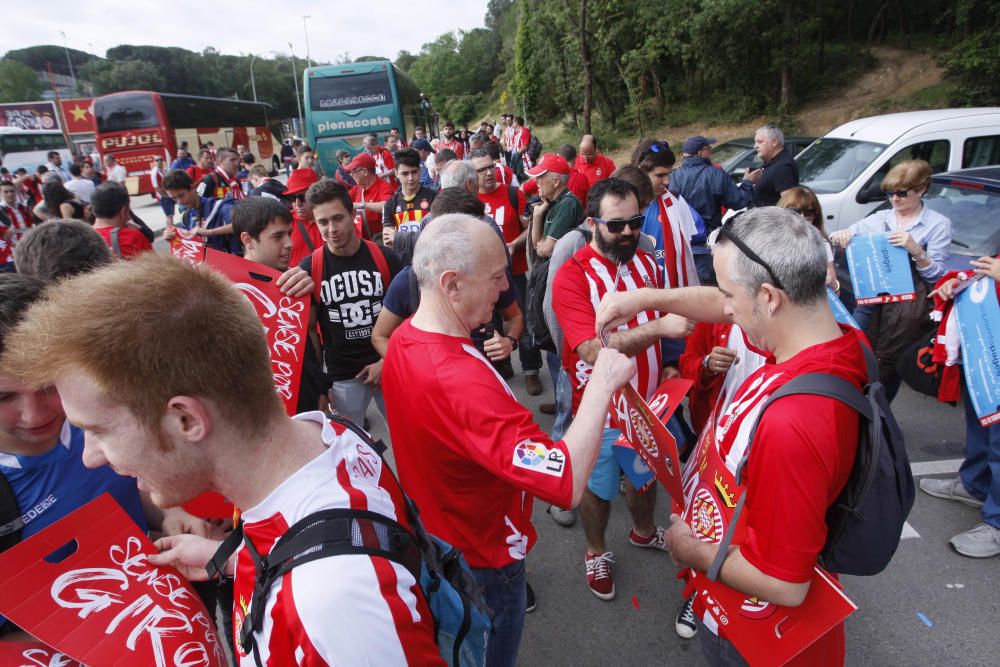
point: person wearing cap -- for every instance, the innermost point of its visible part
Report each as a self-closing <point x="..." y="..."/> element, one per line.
<point x="595" y="166"/>
<point x="306" y="235"/>
<point x="424" y="148"/>
<point x="369" y="196"/>
<point x="706" y="188"/>
<point x="560" y="210"/>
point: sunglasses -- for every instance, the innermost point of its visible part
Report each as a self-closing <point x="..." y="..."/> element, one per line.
<point x="618" y="226"/>
<point x="896" y="193"/>
<point x="804" y="211"/>
<point x="657" y="147"/>
<point x="726" y="230"/>
<point x="298" y="197"/>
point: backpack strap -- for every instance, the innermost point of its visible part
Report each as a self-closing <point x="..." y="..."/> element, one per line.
<point x="10" y="515"/>
<point x="380" y="262"/>
<point x="116" y="248"/>
<point x="316" y="270"/>
<point x="815" y="384"/>
<point x="512" y="196"/>
<point x="305" y="235"/>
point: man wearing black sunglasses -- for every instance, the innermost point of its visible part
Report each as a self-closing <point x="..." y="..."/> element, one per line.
<point x="771" y="269"/>
<point x="611" y="262"/>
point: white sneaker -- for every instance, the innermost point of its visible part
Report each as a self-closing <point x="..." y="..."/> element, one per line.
<point x="983" y="541"/>
<point x="563" y="517"/>
<point x="950" y="489"/>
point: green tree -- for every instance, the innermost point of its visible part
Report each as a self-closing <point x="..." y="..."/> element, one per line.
<point x="128" y="75"/>
<point x="18" y="82"/>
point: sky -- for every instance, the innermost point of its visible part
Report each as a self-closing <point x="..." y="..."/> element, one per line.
<point x="361" y="27"/>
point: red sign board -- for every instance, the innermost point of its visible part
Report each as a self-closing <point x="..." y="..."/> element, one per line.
<point x="33" y="654"/>
<point x="84" y="587"/>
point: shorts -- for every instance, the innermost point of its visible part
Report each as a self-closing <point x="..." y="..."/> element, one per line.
<point x="605" y="479"/>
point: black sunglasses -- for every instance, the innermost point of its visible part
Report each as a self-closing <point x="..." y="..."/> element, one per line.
<point x="726" y="230"/>
<point x="803" y="211"/>
<point x="618" y="226"/>
<point x="898" y="193"/>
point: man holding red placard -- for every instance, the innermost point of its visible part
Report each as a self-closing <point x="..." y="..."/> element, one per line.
<point x="182" y="429"/>
<point x="770" y="266"/>
<point x="612" y="262"/>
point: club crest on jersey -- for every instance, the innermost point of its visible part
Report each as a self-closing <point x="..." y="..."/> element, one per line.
<point x="537" y="457"/>
<point x="399" y="209"/>
<point x="706" y="521"/>
<point x="598" y="171"/>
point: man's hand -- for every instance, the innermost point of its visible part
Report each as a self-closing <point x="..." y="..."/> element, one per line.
<point x="540" y="208"/>
<point x="202" y="231"/>
<point x="987" y="266"/>
<point x="720" y="359"/>
<point x="178" y="522"/>
<point x="841" y="238"/>
<point x="295" y="282"/>
<point x="388" y="236"/>
<point x="188" y="553"/>
<point x="947" y="290"/>
<point x="371" y="374"/>
<point x="498" y="348"/>
<point x="681" y="542"/>
<point x="675" y="326"/>
<point x="752" y="175"/>
<point x="169" y="232"/>
<point x="617" y="308"/>
<point x="612" y="368"/>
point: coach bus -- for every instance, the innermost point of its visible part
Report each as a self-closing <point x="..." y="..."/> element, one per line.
<point x="138" y="126"/>
<point x="344" y="103"/>
<point x="30" y="148"/>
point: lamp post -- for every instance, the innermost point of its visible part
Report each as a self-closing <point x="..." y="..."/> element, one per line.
<point x="69" y="60"/>
<point x="306" y="31"/>
<point x="295" y="77"/>
<point x="253" y="85"/>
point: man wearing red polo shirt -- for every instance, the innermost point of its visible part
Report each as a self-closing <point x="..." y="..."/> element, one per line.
<point x="369" y="196"/>
<point x="306" y="236"/>
<point x="595" y="166"/>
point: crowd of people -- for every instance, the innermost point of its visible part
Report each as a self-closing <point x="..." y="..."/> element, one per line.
<point x="429" y="262"/>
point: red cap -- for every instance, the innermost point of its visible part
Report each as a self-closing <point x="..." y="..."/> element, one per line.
<point x="361" y="161"/>
<point x="550" y="162"/>
<point x="300" y="180"/>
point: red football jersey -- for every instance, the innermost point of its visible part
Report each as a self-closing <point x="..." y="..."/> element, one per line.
<point x="379" y="190"/>
<point x="498" y="207"/>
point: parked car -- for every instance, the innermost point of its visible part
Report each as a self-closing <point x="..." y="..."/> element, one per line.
<point x="845" y="167"/>
<point x="970" y="198"/>
<point x="736" y="155"/>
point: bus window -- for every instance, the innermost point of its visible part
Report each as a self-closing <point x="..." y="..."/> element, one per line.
<point x="344" y="93"/>
<point x="132" y="111"/>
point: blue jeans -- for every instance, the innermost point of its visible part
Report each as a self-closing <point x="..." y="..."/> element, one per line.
<point x="563" y="393"/>
<point x="505" y="592"/>
<point x="980" y="471"/>
<point x="531" y="356"/>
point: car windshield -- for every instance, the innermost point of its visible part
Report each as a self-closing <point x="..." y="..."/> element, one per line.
<point x="974" y="215"/>
<point x="723" y="153"/>
<point x="830" y="165"/>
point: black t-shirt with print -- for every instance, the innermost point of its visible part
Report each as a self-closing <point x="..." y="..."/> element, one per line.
<point x="352" y="293"/>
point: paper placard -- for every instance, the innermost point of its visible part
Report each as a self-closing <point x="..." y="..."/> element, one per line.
<point x="880" y="271"/>
<point x="979" y="327"/>
<point x="84" y="587"/>
<point x="188" y="246"/>
<point x="839" y="309"/>
<point x="33" y="654"/>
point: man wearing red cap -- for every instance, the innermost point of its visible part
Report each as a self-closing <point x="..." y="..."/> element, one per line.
<point x="560" y="210"/>
<point x="369" y="196"/>
<point x="306" y="236"/>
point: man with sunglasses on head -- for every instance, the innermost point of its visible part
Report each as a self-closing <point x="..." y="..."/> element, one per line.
<point x="771" y="269"/>
<point x="612" y="262"/>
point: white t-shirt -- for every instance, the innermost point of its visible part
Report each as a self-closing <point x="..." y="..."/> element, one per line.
<point x="117" y="174"/>
<point x="82" y="188"/>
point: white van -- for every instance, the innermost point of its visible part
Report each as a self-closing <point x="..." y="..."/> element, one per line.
<point x="30" y="148"/>
<point x="846" y="166"/>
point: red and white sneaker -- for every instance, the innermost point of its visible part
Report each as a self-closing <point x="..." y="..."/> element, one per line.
<point x="599" y="578"/>
<point x="657" y="540"/>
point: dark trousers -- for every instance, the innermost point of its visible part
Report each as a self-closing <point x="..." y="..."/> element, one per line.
<point x="531" y="357"/>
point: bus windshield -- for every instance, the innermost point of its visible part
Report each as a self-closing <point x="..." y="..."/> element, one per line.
<point x="344" y="93"/>
<point x="130" y="111"/>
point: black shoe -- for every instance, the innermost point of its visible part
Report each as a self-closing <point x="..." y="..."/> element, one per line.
<point x="684" y="624"/>
<point x="530" y="607"/>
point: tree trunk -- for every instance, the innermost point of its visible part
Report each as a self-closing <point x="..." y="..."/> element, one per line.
<point x="786" y="68"/>
<point x="588" y="66"/>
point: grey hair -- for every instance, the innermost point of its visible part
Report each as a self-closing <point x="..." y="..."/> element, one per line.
<point x="457" y="174"/>
<point x="448" y="243"/>
<point x="792" y="247"/>
<point x="773" y="133"/>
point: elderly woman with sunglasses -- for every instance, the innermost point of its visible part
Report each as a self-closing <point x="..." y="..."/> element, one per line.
<point x="925" y="234"/>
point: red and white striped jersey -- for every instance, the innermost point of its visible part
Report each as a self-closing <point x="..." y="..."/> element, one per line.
<point x="576" y="293"/>
<point x="342" y="610"/>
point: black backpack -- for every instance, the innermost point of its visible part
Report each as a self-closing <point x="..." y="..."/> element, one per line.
<point x="534" y="148"/>
<point x="865" y="522"/>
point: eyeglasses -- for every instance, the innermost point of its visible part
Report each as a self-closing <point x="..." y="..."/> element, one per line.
<point x="726" y="230"/>
<point x="889" y="194"/>
<point x="804" y="212"/>
<point x="485" y="170"/>
<point x="618" y="226"/>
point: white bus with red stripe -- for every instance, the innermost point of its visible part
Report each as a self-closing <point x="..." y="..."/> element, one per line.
<point x="138" y="126"/>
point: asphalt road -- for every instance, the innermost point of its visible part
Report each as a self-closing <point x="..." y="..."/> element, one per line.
<point x="959" y="597"/>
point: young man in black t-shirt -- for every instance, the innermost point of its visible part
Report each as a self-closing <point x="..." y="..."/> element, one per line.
<point x="354" y="276"/>
<point x="411" y="203"/>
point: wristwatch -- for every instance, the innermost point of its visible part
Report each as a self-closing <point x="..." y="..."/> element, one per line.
<point x="513" y="342"/>
<point x="705" y="361"/>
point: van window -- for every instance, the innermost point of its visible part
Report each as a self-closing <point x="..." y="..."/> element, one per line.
<point x="934" y="152"/>
<point x="981" y="151"/>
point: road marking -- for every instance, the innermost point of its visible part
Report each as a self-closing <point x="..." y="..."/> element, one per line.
<point x="908" y="531"/>
<point x="935" y="467"/>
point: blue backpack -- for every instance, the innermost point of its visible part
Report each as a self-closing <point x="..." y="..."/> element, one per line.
<point x="462" y="621"/>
